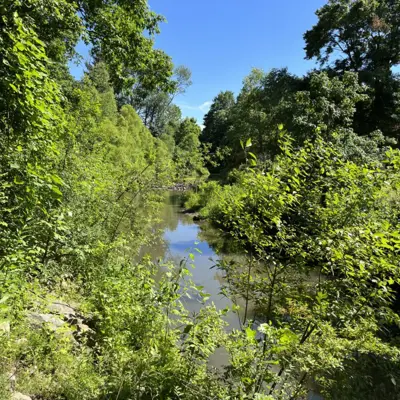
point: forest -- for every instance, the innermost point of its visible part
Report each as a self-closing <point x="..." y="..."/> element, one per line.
<point x="300" y="174"/>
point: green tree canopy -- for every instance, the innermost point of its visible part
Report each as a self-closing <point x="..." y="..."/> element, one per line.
<point x="155" y="106"/>
<point x="362" y="36"/>
<point x="120" y="33"/>
<point x="217" y="119"/>
<point x="356" y="35"/>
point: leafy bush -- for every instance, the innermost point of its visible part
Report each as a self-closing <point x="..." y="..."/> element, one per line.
<point x="322" y="237"/>
<point x="203" y="198"/>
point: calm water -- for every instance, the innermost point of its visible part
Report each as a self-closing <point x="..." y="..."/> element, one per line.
<point x="180" y="236"/>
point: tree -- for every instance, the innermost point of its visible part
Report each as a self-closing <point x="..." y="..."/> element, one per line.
<point x="187" y="135"/>
<point x="259" y="109"/>
<point x="362" y="36"/>
<point x="328" y="103"/>
<point x="173" y="118"/>
<point x="188" y="156"/>
<point x="302" y="105"/>
<point x="364" y="33"/>
<point x="182" y="79"/>
<point x="31" y="121"/>
<point x="322" y="238"/>
<point x="99" y="77"/>
<point x="120" y="34"/>
<point x="156" y="107"/>
<point x="217" y="120"/>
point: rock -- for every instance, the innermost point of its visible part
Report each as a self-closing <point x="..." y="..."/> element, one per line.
<point x="38" y="320"/>
<point x="20" y="396"/>
<point x="61" y="308"/>
<point x="5" y="326"/>
<point x="83" y="328"/>
<point x="70" y="335"/>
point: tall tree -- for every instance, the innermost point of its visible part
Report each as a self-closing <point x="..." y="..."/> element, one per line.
<point x="188" y="156"/>
<point x="362" y="36"/>
<point x="156" y="107"/>
<point x="365" y="33"/>
<point x="187" y="135"/>
<point x="31" y="120"/>
<point x="259" y="108"/>
<point x="217" y="120"/>
<point x="37" y="37"/>
<point x="121" y="33"/>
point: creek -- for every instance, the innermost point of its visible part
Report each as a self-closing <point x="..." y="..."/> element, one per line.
<point x="180" y="236"/>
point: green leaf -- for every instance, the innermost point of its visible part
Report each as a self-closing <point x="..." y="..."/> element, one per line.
<point x="287" y="337"/>
<point x="205" y="296"/>
<point x="20" y="46"/>
<point x="4" y="298"/>
<point x="251" y="335"/>
<point x="56" y="190"/>
<point x="56" y="179"/>
<point x="17" y="181"/>
<point x="13" y="87"/>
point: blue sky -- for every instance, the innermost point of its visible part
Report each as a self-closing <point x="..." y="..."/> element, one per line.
<point x="222" y="40"/>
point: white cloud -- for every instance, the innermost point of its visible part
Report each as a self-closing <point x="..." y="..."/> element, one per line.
<point x="201" y="126"/>
<point x="187" y="107"/>
<point x="205" y="106"/>
<point x="202" y="107"/>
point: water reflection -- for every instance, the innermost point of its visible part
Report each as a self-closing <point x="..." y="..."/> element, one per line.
<point x="181" y="236"/>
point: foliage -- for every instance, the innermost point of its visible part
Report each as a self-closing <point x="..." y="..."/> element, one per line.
<point x="216" y="121"/>
<point x="259" y="110"/>
<point x="115" y="31"/>
<point x="315" y="213"/>
<point x="362" y="31"/>
<point x="203" y="198"/>
<point x="136" y="338"/>
<point x="187" y="155"/>
<point x="155" y="107"/>
<point x="322" y="238"/>
<point x="76" y="178"/>
<point x="31" y="118"/>
<point x="362" y="36"/>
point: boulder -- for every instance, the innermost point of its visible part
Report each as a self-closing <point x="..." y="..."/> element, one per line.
<point x="83" y="328"/>
<point x="20" y="396"/>
<point x="62" y="309"/>
<point x="38" y="320"/>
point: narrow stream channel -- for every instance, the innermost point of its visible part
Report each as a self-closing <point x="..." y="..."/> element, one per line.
<point x="180" y="236"/>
